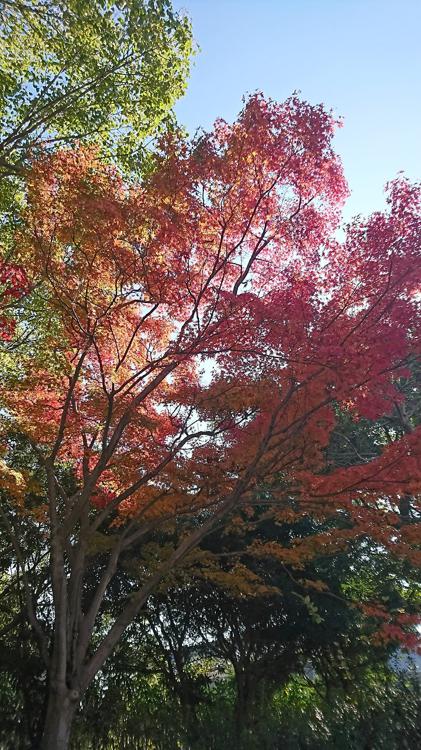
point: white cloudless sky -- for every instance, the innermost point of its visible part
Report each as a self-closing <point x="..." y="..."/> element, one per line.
<point x="362" y="58"/>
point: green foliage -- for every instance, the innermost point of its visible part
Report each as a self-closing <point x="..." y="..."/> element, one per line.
<point x="128" y="706"/>
<point x="108" y="71"/>
<point x="379" y="710"/>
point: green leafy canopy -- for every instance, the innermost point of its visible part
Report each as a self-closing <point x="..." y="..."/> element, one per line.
<point x="88" y="69"/>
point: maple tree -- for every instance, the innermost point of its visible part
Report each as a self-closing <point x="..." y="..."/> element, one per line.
<point x="206" y="328"/>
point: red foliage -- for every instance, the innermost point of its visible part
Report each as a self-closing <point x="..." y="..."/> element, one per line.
<point x="211" y="325"/>
<point x="13" y="285"/>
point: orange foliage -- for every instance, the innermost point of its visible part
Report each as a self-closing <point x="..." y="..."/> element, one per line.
<point x="210" y="325"/>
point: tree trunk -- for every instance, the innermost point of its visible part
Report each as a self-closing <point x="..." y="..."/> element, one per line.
<point x="62" y="705"/>
<point x="241" y="707"/>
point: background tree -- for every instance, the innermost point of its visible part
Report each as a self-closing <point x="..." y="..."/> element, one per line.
<point x="237" y="659"/>
<point x="94" y="70"/>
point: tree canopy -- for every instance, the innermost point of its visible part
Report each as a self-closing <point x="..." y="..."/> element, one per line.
<point x="91" y="70"/>
<point x="209" y="399"/>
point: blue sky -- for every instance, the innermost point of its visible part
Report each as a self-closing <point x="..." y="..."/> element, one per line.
<point x="362" y="58"/>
